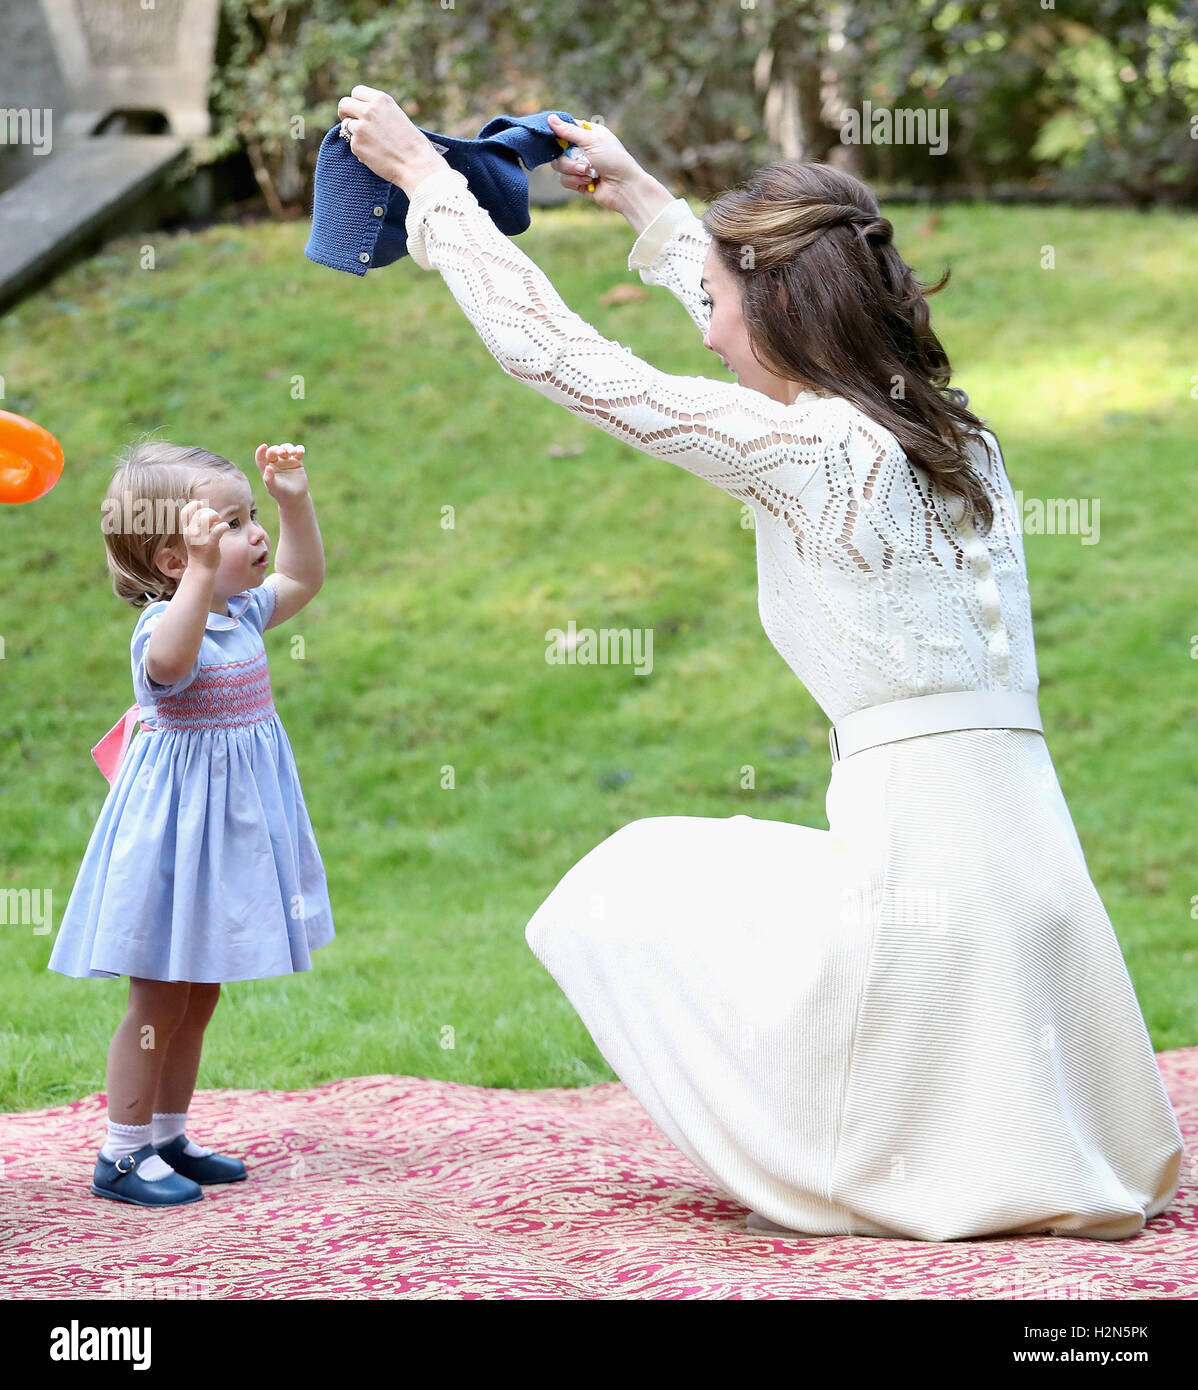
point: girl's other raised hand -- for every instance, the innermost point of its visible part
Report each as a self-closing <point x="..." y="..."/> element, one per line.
<point x="201" y="529"/>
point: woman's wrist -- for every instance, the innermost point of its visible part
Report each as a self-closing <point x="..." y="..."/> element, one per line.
<point x="643" y="200"/>
<point x="416" y="171"/>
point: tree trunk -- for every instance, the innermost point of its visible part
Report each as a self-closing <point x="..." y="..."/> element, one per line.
<point x="790" y="79"/>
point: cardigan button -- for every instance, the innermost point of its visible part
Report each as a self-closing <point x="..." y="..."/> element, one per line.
<point x="378" y="211"/>
<point x="363" y="256"/>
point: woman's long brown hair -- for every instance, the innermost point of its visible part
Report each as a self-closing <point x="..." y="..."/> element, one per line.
<point x="854" y="319"/>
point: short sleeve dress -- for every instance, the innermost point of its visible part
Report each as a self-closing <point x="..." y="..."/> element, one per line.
<point x="203" y="864"/>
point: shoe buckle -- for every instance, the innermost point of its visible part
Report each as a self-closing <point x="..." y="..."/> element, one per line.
<point x="132" y="1164"/>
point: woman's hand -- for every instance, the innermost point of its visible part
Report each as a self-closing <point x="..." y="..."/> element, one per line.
<point x="603" y="170"/>
<point x="385" y="140"/>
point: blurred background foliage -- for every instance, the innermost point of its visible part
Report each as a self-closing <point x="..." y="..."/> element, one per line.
<point x="1072" y="98"/>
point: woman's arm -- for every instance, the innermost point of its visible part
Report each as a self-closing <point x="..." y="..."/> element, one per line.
<point x="726" y="433"/>
<point x="645" y="198"/>
<point x="672" y="244"/>
<point x="672" y="251"/>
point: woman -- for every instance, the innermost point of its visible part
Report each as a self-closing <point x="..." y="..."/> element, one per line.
<point x="917" y="1023"/>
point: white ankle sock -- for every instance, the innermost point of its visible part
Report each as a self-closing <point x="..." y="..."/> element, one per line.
<point x="127" y="1139"/>
<point x="170" y="1125"/>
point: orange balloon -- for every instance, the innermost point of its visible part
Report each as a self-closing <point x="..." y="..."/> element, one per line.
<point x="30" y="459"/>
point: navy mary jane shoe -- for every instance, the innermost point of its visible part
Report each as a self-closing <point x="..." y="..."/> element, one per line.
<point x="212" y="1168"/>
<point x="119" y="1179"/>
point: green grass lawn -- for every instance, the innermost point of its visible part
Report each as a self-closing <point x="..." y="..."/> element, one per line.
<point x="426" y="647"/>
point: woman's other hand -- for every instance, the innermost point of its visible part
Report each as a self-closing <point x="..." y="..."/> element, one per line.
<point x="601" y="169"/>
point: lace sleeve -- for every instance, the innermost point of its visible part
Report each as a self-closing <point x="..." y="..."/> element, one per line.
<point x="671" y="251"/>
<point x="726" y="433"/>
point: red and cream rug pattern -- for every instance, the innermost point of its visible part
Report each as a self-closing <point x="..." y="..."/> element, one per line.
<point x="399" y="1187"/>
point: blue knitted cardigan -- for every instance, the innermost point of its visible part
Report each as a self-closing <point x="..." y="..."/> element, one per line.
<point x="358" y="217"/>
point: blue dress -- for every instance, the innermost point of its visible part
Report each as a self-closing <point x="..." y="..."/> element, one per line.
<point x="202" y="865"/>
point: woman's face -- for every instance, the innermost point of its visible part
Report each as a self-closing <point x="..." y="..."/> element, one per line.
<point x="728" y="334"/>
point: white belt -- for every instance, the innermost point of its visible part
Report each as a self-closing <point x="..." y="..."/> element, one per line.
<point x="933" y="714"/>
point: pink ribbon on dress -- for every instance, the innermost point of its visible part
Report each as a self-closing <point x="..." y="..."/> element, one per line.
<point x="110" y="751"/>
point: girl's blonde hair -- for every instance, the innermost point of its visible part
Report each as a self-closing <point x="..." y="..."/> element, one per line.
<point x="151" y="484"/>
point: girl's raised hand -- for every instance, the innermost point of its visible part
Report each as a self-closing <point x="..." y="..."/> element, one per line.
<point x="202" y="528"/>
<point x="282" y="469"/>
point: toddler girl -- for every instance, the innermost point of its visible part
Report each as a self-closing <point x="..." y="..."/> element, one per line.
<point x="202" y="866"/>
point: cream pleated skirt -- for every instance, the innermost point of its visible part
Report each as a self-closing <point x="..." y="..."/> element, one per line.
<point x="917" y="1023"/>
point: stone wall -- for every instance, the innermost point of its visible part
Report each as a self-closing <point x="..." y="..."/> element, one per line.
<point x="29" y="76"/>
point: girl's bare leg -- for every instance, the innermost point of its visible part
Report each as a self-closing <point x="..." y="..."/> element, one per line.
<point x="177" y="1080"/>
<point x="139" y="1047"/>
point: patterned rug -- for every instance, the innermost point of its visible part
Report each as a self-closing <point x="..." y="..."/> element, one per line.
<point x="397" y="1187"/>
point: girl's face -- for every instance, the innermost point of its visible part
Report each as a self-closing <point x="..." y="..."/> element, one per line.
<point x="244" y="547"/>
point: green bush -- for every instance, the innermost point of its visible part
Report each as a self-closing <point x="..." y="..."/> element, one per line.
<point x="1081" y="95"/>
<point x="281" y="69"/>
